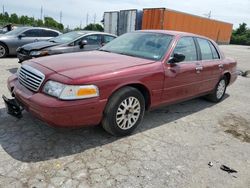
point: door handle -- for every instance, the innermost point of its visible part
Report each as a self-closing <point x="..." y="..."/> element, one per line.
<point x="220" y="66"/>
<point x="199" y="68"/>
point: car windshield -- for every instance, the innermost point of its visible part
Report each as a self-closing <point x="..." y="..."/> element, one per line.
<point x="140" y="44"/>
<point x="67" y="37"/>
<point x="16" y="31"/>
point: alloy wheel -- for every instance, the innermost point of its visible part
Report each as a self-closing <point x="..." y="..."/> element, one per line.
<point x="128" y="113"/>
<point x="221" y="89"/>
<point x="2" y="51"/>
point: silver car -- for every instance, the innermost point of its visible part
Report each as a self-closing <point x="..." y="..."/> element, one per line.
<point x="9" y="42"/>
<point x="75" y="41"/>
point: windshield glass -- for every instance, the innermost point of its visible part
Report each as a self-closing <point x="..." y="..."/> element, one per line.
<point x="16" y="31"/>
<point x="67" y="37"/>
<point x="140" y="44"/>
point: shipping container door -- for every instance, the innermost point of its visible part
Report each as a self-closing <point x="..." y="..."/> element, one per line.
<point x="111" y="22"/>
<point x="127" y="21"/>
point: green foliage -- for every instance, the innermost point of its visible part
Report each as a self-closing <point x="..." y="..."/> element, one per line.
<point x="241" y="35"/>
<point x="94" y="27"/>
<point x="30" y="21"/>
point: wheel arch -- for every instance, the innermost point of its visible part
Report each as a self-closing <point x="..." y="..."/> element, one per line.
<point x="139" y="86"/>
<point x="228" y="77"/>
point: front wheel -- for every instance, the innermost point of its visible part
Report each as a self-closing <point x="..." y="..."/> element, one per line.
<point x="124" y="111"/>
<point x="3" y="50"/>
<point x="219" y="91"/>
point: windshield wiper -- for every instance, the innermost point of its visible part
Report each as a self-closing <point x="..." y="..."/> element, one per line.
<point x="122" y="53"/>
<point x="104" y="50"/>
<point x="53" y="41"/>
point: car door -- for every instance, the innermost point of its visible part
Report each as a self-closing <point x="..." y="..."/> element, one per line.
<point x="182" y="79"/>
<point x="211" y="63"/>
<point x="93" y="42"/>
<point x="28" y="36"/>
<point x="46" y="34"/>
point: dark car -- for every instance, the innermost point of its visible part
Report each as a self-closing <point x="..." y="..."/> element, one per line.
<point x="10" y="41"/>
<point x="114" y="85"/>
<point x="74" y="41"/>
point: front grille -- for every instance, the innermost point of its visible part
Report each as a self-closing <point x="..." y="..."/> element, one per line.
<point x="30" y="77"/>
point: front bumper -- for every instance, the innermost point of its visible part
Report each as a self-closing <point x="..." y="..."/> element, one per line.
<point x="22" y="57"/>
<point x="55" y="112"/>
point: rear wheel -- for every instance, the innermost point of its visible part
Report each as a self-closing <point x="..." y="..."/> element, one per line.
<point x="219" y="90"/>
<point x="124" y="111"/>
<point x="3" y="50"/>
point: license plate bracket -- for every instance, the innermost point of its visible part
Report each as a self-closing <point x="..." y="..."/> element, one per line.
<point x="13" y="107"/>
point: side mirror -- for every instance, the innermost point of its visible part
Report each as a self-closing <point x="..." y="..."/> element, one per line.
<point x="82" y="43"/>
<point x="178" y="57"/>
<point x="21" y="35"/>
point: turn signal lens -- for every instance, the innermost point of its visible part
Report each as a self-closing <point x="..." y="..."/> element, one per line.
<point x="86" y="91"/>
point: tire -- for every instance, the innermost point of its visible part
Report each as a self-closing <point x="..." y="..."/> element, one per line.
<point x="3" y="50"/>
<point x="219" y="91"/>
<point x="120" y="118"/>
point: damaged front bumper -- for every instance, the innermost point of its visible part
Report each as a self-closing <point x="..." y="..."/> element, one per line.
<point x="13" y="107"/>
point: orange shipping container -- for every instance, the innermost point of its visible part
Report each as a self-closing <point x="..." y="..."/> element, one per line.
<point x="162" y="18"/>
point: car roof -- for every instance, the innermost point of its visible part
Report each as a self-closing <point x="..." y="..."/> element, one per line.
<point x="94" y="32"/>
<point x="27" y="27"/>
<point x="174" y="33"/>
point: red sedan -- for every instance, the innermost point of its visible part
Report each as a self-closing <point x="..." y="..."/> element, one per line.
<point x="116" y="84"/>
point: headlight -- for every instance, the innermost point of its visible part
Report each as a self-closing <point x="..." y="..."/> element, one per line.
<point x="70" y="92"/>
<point x="38" y="53"/>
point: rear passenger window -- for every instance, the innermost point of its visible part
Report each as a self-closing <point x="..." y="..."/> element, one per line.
<point x="48" y="33"/>
<point x="186" y="46"/>
<point x="206" y="53"/>
<point x="214" y="51"/>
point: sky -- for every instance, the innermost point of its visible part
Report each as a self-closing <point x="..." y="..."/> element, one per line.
<point x="74" y="12"/>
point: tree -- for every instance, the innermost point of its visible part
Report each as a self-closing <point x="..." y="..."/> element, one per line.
<point x="94" y="27"/>
<point x="241" y="35"/>
<point x="14" y="18"/>
<point x="29" y="21"/>
<point x="242" y="29"/>
<point x="50" y="22"/>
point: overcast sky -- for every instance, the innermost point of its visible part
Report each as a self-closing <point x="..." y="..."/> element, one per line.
<point x="75" y="11"/>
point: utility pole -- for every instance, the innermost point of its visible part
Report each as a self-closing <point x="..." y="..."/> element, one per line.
<point x="208" y="15"/>
<point x="3" y="10"/>
<point x="61" y="17"/>
<point x="41" y="16"/>
<point x="94" y="18"/>
<point x="87" y="19"/>
<point x="81" y="24"/>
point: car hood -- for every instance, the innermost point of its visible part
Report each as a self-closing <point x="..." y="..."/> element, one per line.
<point x="39" y="45"/>
<point x="85" y="64"/>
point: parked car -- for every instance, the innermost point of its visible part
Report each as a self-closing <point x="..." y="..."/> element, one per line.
<point x="114" y="86"/>
<point x="75" y="41"/>
<point x="10" y="41"/>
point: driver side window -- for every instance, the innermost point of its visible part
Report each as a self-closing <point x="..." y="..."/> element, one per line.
<point x="32" y="33"/>
<point x="186" y="46"/>
<point x="93" y="39"/>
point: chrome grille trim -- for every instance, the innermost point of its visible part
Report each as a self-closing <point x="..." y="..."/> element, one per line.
<point x="30" y="77"/>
